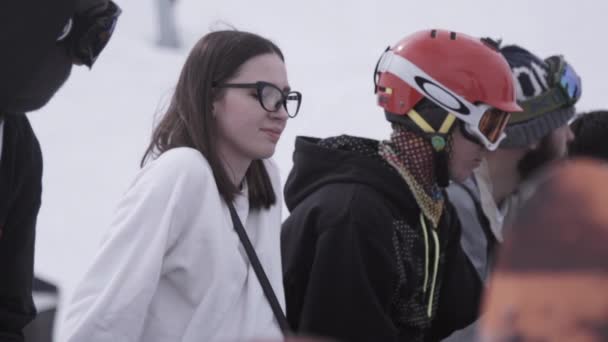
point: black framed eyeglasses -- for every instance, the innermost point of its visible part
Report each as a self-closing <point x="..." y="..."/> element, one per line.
<point x="271" y="98"/>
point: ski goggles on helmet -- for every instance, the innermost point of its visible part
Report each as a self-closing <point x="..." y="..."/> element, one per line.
<point x="484" y="122"/>
<point x="565" y="89"/>
<point x="86" y="35"/>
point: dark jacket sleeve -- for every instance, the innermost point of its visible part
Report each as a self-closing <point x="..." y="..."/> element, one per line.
<point x="461" y="288"/>
<point x="352" y="276"/>
<point x="20" y="185"/>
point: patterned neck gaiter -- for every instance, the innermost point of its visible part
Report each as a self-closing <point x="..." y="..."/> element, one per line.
<point x="413" y="157"/>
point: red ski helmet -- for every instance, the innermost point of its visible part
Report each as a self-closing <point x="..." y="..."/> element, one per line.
<point x="466" y="76"/>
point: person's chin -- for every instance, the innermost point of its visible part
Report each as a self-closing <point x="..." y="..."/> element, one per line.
<point x="265" y="152"/>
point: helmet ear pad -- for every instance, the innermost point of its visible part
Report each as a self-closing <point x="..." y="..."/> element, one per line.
<point x="434" y="116"/>
<point x="432" y="113"/>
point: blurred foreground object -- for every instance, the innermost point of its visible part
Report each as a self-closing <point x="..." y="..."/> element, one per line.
<point x="551" y="279"/>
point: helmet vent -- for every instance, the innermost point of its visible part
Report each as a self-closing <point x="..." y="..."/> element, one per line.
<point x="433" y="33"/>
<point x="453" y="35"/>
<point x="491" y="43"/>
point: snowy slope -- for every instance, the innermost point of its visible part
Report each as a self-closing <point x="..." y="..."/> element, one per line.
<point x="95" y="130"/>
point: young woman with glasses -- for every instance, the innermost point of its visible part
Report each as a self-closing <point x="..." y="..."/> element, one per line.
<point x="172" y="267"/>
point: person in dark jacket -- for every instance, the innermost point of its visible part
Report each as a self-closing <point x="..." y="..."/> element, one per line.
<point x="590" y="130"/>
<point x="371" y="249"/>
<point x="41" y="40"/>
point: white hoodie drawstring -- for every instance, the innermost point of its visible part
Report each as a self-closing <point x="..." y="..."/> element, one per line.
<point x="426" y="262"/>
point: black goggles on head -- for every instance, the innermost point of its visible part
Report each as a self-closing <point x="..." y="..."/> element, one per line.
<point x="565" y="90"/>
<point x="86" y="34"/>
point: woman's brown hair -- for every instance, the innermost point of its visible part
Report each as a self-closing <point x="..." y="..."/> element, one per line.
<point x="189" y="122"/>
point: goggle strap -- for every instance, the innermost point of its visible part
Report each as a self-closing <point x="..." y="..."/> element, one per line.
<point x="377" y="71"/>
<point x="420" y="122"/>
<point x="556" y="66"/>
<point x="547" y="102"/>
<point x="447" y="123"/>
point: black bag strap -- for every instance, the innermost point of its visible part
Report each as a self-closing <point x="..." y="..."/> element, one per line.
<point x="484" y="222"/>
<point x="259" y="271"/>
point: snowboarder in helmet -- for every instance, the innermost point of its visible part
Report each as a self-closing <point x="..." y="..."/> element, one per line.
<point x="371" y="249"/>
<point x="427" y="69"/>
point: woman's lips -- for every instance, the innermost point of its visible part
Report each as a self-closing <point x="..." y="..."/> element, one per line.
<point x="274" y="134"/>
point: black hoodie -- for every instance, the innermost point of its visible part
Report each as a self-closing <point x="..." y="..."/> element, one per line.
<point x="20" y="192"/>
<point x="355" y="256"/>
<point x="32" y="67"/>
<point x="28" y="40"/>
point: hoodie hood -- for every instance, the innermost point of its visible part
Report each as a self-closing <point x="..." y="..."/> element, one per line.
<point x="342" y="159"/>
<point x="29" y="32"/>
